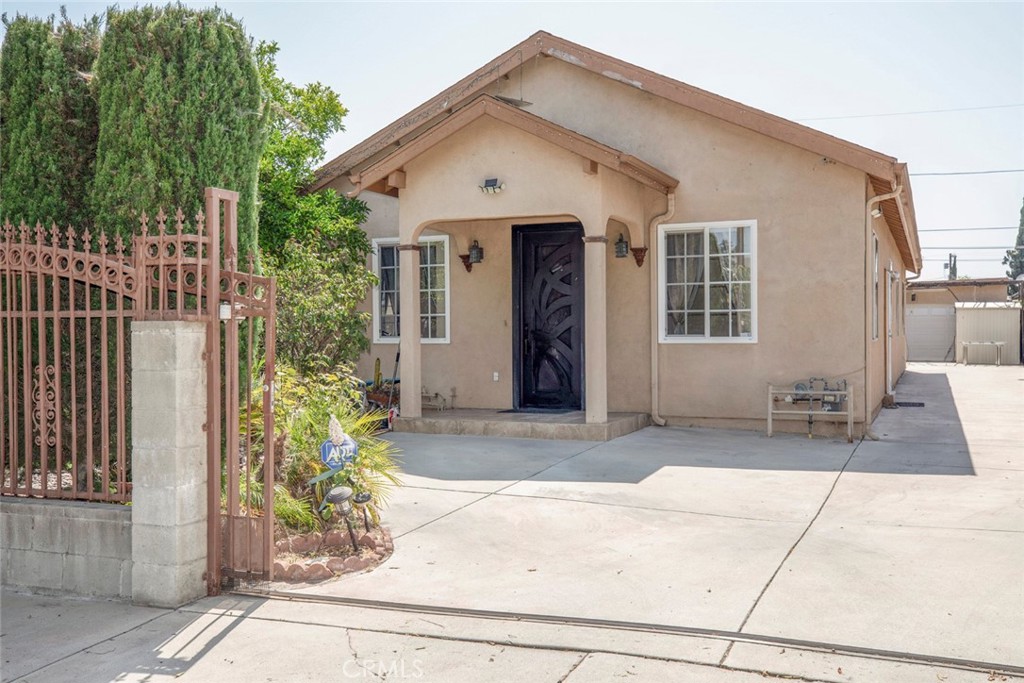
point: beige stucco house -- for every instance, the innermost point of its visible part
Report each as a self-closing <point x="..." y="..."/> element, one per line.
<point x="647" y="246"/>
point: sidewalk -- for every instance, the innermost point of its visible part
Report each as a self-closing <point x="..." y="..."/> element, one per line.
<point x="233" y="638"/>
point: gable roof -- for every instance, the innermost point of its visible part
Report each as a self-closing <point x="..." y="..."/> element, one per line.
<point x="885" y="172"/>
<point x="375" y="176"/>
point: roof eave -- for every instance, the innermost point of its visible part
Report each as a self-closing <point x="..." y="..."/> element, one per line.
<point x="640" y="171"/>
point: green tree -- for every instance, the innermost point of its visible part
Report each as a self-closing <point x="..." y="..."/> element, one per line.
<point x="48" y="120"/>
<point x="313" y="241"/>
<point x="1015" y="257"/>
<point x="180" y="109"/>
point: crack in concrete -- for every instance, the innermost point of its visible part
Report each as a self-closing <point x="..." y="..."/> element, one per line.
<point x="573" y="668"/>
<point x="789" y="553"/>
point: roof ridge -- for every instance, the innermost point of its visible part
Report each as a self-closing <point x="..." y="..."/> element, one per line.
<point x="684" y="94"/>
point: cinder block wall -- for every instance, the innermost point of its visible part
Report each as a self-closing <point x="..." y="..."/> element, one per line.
<point x="66" y="547"/>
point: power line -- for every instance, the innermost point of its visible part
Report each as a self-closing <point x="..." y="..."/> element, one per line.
<point x="971" y="247"/>
<point x="1001" y="227"/>
<point x="911" y="113"/>
<point x="985" y="260"/>
<point x="989" y="172"/>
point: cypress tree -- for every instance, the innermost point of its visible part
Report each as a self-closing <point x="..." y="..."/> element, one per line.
<point x="180" y="109"/>
<point x="48" y="120"/>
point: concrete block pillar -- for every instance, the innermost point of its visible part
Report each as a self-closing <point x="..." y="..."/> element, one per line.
<point x="596" y="329"/>
<point x="410" y="369"/>
<point x="169" y="497"/>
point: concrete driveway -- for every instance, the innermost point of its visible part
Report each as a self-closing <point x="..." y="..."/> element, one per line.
<point x="910" y="544"/>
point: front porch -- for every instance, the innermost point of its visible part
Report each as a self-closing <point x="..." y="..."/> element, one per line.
<point x="564" y="426"/>
<point x="526" y="323"/>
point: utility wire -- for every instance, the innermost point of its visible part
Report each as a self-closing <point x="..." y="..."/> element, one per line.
<point x="1001" y="227"/>
<point x="971" y="247"/>
<point x="911" y="113"/>
<point x="989" y="172"/>
<point x="986" y="260"/>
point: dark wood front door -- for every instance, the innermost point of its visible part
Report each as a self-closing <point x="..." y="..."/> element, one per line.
<point x="548" y="305"/>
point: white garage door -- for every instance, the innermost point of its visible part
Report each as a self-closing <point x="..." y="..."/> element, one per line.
<point x="930" y="331"/>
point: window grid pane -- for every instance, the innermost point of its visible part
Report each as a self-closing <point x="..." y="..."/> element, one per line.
<point x="708" y="291"/>
<point x="433" y="292"/>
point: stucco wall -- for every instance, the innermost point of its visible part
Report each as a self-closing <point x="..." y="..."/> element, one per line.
<point x="813" y="247"/>
<point x="810" y="215"/>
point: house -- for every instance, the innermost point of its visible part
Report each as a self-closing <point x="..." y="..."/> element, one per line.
<point x="941" y="314"/>
<point x="581" y="233"/>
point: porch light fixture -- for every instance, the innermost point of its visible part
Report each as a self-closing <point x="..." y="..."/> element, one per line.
<point x="876" y="212"/>
<point x="492" y="186"/>
<point x="475" y="255"/>
<point x="621" y="247"/>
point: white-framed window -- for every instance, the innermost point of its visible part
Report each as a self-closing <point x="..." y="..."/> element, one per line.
<point x="435" y="319"/>
<point x="707" y="282"/>
<point x="874" y="299"/>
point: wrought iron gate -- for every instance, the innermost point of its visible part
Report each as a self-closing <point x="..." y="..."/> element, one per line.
<point x="67" y="300"/>
<point x="240" y="415"/>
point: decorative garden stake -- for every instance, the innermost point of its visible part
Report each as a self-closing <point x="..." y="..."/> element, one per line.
<point x="337" y="452"/>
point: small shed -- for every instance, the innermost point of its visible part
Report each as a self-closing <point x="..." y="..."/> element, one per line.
<point x="931" y="318"/>
<point x="981" y="327"/>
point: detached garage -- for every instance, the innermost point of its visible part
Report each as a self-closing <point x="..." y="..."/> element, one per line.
<point x="943" y="314"/>
<point x="931" y="332"/>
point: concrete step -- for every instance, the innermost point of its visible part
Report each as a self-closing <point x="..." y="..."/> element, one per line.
<point x="565" y="426"/>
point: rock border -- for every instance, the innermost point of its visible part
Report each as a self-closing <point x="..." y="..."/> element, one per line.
<point x="374" y="551"/>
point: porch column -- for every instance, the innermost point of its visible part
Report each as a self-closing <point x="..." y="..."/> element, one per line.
<point x="409" y="342"/>
<point x="596" y="328"/>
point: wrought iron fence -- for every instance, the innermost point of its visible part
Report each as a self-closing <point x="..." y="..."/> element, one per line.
<point x="66" y="305"/>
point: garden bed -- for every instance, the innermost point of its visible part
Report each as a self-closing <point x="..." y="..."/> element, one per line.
<point x="315" y="557"/>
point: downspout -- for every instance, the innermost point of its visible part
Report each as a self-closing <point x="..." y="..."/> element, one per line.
<point x="656" y="417"/>
<point x="868" y="279"/>
<point x="916" y="276"/>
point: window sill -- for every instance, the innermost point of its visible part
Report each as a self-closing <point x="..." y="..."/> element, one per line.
<point x="397" y="340"/>
<point x="707" y="340"/>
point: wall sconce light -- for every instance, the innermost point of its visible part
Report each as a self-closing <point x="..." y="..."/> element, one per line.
<point x="876" y="212"/>
<point x="621" y="247"/>
<point x="492" y="186"/>
<point x="475" y="255"/>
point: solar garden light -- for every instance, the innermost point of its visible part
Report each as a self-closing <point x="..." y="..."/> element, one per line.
<point x="339" y="497"/>
<point x="361" y="501"/>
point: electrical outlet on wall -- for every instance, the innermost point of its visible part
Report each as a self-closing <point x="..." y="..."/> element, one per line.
<point x="495" y="377"/>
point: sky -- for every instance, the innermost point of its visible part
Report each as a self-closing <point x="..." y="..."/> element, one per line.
<point x="854" y="70"/>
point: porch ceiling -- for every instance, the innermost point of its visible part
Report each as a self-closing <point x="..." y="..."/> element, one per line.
<point x="387" y="175"/>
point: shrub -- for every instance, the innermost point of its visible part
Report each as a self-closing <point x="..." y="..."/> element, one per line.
<point x="180" y="109"/>
<point x="319" y="327"/>
<point x="303" y="406"/>
<point x="48" y="123"/>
